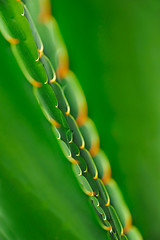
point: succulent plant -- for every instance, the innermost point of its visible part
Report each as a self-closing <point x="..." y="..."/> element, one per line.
<point x="39" y="49"/>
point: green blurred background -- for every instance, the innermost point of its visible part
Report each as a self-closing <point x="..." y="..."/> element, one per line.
<point x="114" y="49"/>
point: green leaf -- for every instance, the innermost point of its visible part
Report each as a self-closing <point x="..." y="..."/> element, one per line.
<point x="114" y="49"/>
<point x="40" y="196"/>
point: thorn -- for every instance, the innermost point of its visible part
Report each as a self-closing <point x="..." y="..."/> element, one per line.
<point x="128" y="225"/>
<point x="94" y="149"/>
<point x="35" y="83"/>
<point x="54" y="123"/>
<point x="13" y="41"/>
<point x="96" y="175"/>
<point x="68" y="110"/>
<point x="40" y="51"/>
<point x="37" y="59"/>
<point x="106" y="176"/>
<point x="53" y="79"/>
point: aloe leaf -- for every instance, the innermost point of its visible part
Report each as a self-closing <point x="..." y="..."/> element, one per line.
<point x="121" y="85"/>
<point x="46" y="99"/>
<point x="113" y="103"/>
<point x="40" y="197"/>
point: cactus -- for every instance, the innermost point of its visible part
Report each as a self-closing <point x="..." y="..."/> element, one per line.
<point x="63" y="103"/>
